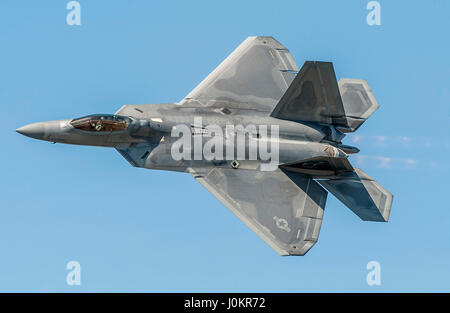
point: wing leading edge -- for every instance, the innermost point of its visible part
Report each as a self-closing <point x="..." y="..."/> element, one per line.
<point x="285" y="209"/>
<point x="254" y="76"/>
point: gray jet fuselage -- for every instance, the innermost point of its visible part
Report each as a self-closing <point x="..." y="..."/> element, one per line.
<point x="297" y="141"/>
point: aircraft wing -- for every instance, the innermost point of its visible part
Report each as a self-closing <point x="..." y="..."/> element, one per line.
<point x="285" y="209"/>
<point x="254" y="76"/>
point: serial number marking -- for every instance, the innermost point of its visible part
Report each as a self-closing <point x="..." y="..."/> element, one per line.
<point x="246" y="303"/>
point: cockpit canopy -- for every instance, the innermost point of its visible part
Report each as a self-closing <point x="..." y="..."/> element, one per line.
<point x="101" y="123"/>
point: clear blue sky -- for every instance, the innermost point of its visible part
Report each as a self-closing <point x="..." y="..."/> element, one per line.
<point x="140" y="230"/>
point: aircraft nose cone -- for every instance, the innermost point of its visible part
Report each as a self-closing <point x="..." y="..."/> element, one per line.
<point x="36" y="130"/>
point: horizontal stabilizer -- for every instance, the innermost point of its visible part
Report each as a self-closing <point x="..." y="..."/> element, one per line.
<point x="361" y="194"/>
<point x="358" y="100"/>
<point x="316" y="96"/>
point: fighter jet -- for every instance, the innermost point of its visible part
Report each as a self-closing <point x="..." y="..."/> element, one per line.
<point x="260" y="134"/>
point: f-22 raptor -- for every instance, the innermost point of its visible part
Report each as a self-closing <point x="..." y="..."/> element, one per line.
<point x="258" y="84"/>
